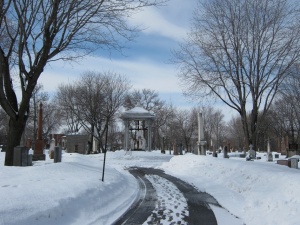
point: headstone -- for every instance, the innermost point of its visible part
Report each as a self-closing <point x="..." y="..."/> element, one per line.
<point x="283" y="162"/>
<point x="20" y="156"/>
<point x="29" y="160"/>
<point x="215" y="154"/>
<point x="51" y="148"/>
<point x="270" y="157"/>
<point x="180" y="147"/>
<point x="251" y="152"/>
<point x="57" y="154"/>
<point x="225" y="153"/>
<point x="293" y="163"/>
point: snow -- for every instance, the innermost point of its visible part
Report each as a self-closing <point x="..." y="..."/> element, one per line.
<point x="168" y="194"/>
<point x="137" y="110"/>
<point x="71" y="192"/>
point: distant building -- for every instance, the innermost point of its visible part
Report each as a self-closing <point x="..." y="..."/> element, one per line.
<point x="75" y="143"/>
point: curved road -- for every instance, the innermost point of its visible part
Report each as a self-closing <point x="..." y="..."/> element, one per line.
<point x="178" y="203"/>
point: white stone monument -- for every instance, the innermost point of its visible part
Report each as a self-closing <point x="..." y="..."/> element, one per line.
<point x="251" y="152"/>
<point x="269" y="154"/>
<point x="201" y="141"/>
<point x="51" y="148"/>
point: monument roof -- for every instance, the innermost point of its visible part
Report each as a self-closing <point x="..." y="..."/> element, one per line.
<point x="137" y="113"/>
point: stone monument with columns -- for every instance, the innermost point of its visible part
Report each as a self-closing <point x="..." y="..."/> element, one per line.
<point x="38" y="153"/>
<point x="138" y="129"/>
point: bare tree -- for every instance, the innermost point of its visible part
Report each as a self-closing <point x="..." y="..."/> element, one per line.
<point x="94" y="100"/>
<point x="65" y="98"/>
<point x="235" y="134"/>
<point x="52" y="116"/>
<point x="3" y="127"/>
<point x="186" y="124"/>
<point x="240" y="51"/>
<point x="115" y="90"/>
<point x="285" y="119"/>
<point x="38" y="96"/>
<point x="162" y="118"/>
<point x="290" y="95"/>
<point x="214" y="126"/>
<point x="34" y="33"/>
<point x="146" y="98"/>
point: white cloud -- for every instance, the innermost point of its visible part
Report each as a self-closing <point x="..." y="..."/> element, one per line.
<point x="142" y="73"/>
<point x="170" y="21"/>
<point x="155" y="23"/>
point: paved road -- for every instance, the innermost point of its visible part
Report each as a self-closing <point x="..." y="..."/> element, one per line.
<point x="164" y="208"/>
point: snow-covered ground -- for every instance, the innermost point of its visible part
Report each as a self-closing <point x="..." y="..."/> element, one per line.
<point x="71" y="192"/>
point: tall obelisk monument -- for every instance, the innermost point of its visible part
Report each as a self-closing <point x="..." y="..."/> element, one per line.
<point x="38" y="153"/>
<point x="201" y="141"/>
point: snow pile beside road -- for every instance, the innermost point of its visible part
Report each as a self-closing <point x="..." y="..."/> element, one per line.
<point x="70" y="192"/>
<point x="258" y="193"/>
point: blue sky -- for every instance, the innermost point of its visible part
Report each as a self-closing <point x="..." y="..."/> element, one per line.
<point x="147" y="60"/>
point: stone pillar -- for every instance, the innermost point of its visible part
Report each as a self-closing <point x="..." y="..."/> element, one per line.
<point x="149" y="124"/>
<point x="126" y="135"/>
<point x="57" y="154"/>
<point x="39" y="143"/>
<point x="175" y="149"/>
<point x="201" y="141"/>
<point x="270" y="156"/>
<point x="225" y="151"/>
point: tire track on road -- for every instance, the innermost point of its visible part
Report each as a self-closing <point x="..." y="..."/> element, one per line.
<point x="198" y="202"/>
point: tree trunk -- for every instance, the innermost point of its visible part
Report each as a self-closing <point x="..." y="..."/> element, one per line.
<point x="16" y="128"/>
<point x="254" y="126"/>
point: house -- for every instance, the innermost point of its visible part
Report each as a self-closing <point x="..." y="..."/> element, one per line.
<point x="75" y="143"/>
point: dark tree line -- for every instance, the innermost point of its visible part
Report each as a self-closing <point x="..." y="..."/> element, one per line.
<point x="92" y="103"/>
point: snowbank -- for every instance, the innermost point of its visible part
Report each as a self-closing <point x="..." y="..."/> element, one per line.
<point x="71" y="192"/>
<point x="258" y="192"/>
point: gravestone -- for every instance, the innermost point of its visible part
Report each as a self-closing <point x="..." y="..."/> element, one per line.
<point x="293" y="162"/>
<point x="21" y="157"/>
<point x="270" y="157"/>
<point x="251" y="152"/>
<point x="179" y="149"/>
<point x="51" y="148"/>
<point x="57" y="154"/>
<point x="283" y="162"/>
<point x="225" y="152"/>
